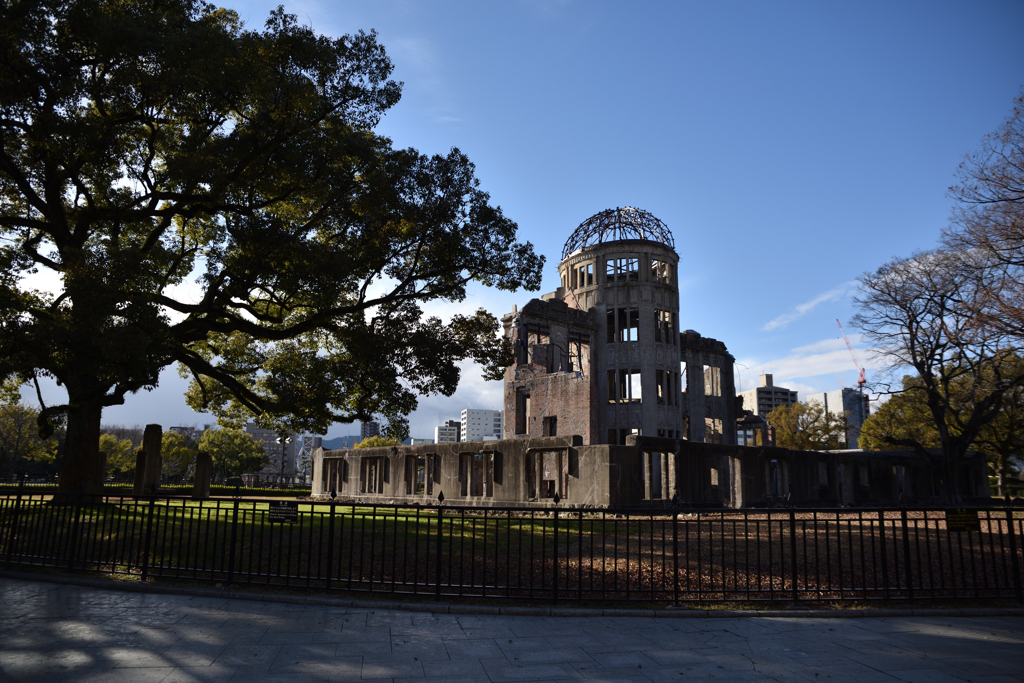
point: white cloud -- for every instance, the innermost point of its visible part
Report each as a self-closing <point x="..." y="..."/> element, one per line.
<point x="821" y="366"/>
<point x="803" y="309"/>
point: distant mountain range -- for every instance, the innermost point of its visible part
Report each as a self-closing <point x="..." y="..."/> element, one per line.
<point x="339" y="441"/>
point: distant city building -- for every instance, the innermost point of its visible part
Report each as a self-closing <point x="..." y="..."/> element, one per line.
<point x="849" y="401"/>
<point x="188" y="432"/>
<point x="420" y="442"/>
<point x="448" y="432"/>
<point x="477" y="424"/>
<point x="766" y="397"/>
<point x="276" y="470"/>
<point x="368" y="429"/>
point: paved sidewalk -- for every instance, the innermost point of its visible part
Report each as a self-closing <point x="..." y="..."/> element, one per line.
<point x="71" y="633"/>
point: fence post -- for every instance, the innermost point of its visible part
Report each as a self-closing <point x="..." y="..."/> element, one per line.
<point x="1014" y="562"/>
<point x="440" y="534"/>
<point x="579" y="560"/>
<point x="792" y="548"/>
<point x="554" y="554"/>
<point x="885" y="560"/>
<point x="234" y="534"/>
<point x="330" y="545"/>
<point x="675" y="549"/>
<point x="149" y="536"/>
<point x="73" y="542"/>
<point x="906" y="549"/>
<point x="14" y="520"/>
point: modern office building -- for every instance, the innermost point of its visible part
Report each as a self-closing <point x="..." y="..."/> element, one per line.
<point x="448" y="432"/>
<point x="368" y="429"/>
<point x="852" y="402"/>
<point x="766" y="397"/>
<point x="478" y="424"/>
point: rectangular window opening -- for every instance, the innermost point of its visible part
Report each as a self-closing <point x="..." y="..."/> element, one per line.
<point x="551" y="425"/>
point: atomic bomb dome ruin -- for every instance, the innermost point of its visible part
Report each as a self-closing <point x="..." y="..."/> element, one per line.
<point x="602" y="356"/>
<point x="609" y="404"/>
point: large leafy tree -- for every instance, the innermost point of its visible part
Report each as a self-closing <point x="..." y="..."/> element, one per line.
<point x="215" y="197"/>
<point x="233" y="452"/>
<point x="807" y="427"/>
<point x="21" y="449"/>
<point x="905" y="421"/>
<point x="902" y="422"/>
<point x="121" y="453"/>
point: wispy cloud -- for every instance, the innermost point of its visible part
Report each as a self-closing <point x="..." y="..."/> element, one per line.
<point x="803" y="309"/>
<point x="822" y="366"/>
<point x="425" y="61"/>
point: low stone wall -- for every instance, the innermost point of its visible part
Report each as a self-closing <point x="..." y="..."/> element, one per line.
<point x="646" y="472"/>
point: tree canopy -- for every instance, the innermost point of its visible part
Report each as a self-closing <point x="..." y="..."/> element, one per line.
<point x="807" y="427"/>
<point x="905" y="421"/>
<point x="233" y="452"/>
<point x="215" y="197"/>
<point x="378" y="442"/>
<point x="121" y="453"/>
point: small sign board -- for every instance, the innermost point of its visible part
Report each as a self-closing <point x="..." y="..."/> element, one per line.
<point x="283" y="512"/>
<point x="962" y="519"/>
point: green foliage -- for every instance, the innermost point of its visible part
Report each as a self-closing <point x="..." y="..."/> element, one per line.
<point x="905" y="420"/>
<point x="807" y="427"/>
<point x="178" y="452"/>
<point x="378" y="442"/>
<point x="901" y="422"/>
<point x="154" y="149"/>
<point x="121" y="453"/>
<point x="20" y="445"/>
<point x="233" y="452"/>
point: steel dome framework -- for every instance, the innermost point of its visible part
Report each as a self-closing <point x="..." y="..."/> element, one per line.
<point x="625" y="223"/>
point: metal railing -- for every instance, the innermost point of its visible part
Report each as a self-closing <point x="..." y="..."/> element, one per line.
<point x="636" y="556"/>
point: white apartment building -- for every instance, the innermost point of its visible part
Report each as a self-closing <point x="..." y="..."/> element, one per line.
<point x="849" y="401"/>
<point x="766" y="397"/>
<point x="446" y="433"/>
<point x="480" y="425"/>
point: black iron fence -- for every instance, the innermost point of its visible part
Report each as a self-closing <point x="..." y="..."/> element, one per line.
<point x="636" y="556"/>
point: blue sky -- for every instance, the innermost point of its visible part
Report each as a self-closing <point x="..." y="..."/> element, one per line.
<point x="789" y="146"/>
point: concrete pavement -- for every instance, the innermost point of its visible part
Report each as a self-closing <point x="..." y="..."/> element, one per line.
<point x="57" y="632"/>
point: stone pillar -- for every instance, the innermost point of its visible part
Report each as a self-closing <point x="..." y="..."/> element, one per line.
<point x="140" y="473"/>
<point x="154" y="461"/>
<point x="670" y="474"/>
<point x="204" y="472"/>
<point x="648" y="471"/>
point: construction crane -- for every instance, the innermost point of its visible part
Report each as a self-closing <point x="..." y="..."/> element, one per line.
<point x="860" y="380"/>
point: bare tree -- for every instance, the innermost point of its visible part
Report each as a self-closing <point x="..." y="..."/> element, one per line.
<point x="989" y="221"/>
<point x="913" y="313"/>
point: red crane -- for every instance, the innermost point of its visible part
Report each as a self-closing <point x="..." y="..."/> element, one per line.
<point x="861" y="380"/>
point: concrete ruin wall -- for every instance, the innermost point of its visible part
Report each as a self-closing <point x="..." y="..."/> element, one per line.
<point x="553" y="346"/>
<point x="647" y="472"/>
<point x="710" y="389"/>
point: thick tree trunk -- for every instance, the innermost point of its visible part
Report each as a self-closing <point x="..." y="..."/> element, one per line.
<point x="1002" y="465"/>
<point x="952" y="490"/>
<point x="82" y="468"/>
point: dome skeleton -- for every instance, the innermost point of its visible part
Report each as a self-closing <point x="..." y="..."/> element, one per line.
<point x="618" y="224"/>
